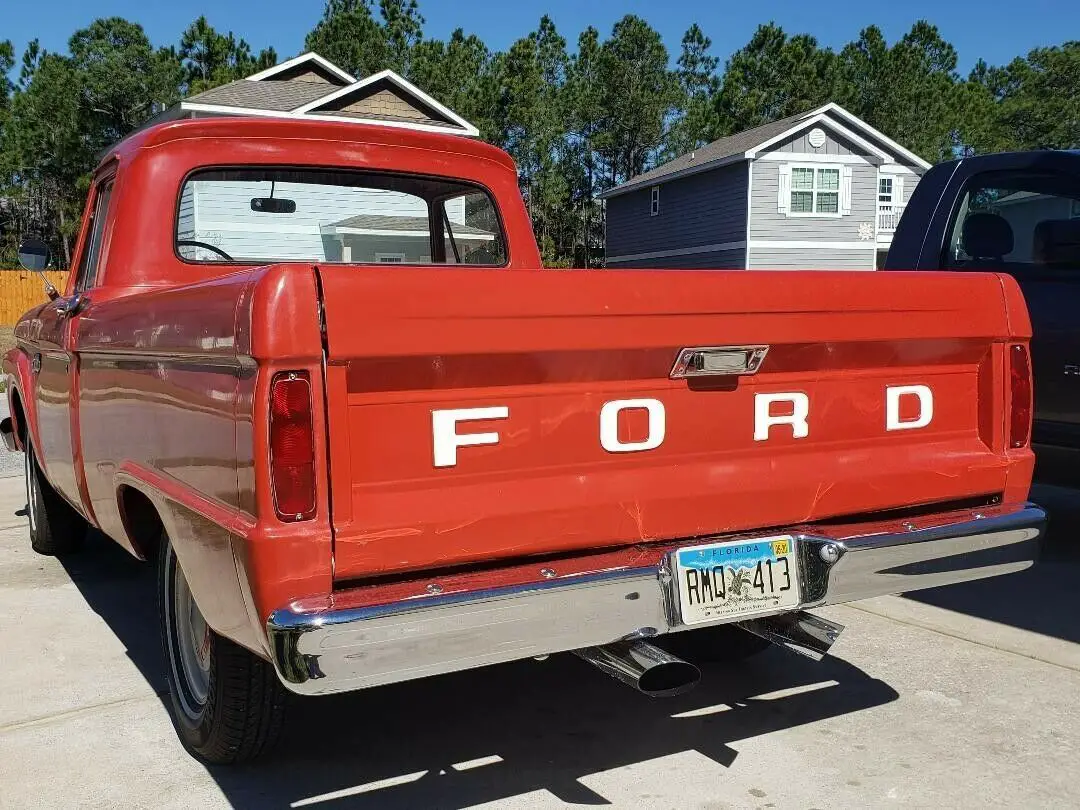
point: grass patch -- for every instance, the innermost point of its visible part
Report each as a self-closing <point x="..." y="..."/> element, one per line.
<point x="7" y="339"/>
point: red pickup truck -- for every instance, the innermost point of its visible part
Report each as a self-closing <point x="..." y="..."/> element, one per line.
<point x="318" y="372"/>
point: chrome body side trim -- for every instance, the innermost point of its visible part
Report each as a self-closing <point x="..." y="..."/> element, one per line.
<point x="381" y="634"/>
<point x="149" y="359"/>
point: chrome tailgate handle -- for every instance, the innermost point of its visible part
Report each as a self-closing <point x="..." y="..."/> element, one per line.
<point x="718" y="361"/>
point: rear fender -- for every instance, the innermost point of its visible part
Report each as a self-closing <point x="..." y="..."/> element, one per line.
<point x="205" y="536"/>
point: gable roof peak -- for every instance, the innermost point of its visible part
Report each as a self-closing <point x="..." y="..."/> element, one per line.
<point x="402" y="84"/>
<point x="833" y="107"/>
<point x="302" y="59"/>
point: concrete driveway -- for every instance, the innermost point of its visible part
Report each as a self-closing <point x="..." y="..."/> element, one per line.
<point x="964" y="697"/>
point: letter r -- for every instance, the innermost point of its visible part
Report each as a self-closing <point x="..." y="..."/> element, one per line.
<point x="764" y="419"/>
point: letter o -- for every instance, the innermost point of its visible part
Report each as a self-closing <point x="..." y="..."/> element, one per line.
<point x="609" y="425"/>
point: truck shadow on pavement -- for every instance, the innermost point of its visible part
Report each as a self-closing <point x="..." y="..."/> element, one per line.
<point x="1044" y="598"/>
<point x="488" y="734"/>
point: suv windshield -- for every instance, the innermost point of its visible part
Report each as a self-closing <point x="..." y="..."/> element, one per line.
<point x="261" y="215"/>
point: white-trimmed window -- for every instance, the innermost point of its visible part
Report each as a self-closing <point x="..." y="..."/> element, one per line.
<point x="814" y="190"/>
<point x="654" y="201"/>
<point x="885" y="193"/>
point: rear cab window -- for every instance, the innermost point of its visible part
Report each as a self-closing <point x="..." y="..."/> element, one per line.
<point x="1020" y="223"/>
<point x="272" y="214"/>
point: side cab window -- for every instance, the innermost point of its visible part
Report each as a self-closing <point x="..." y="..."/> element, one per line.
<point x="90" y="255"/>
<point x="1016" y="222"/>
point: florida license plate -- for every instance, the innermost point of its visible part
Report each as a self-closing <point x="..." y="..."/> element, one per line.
<point x="736" y="579"/>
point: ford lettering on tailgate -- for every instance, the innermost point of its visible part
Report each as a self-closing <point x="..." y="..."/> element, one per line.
<point x="790" y="409"/>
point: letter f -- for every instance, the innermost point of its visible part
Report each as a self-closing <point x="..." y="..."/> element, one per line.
<point x="446" y="439"/>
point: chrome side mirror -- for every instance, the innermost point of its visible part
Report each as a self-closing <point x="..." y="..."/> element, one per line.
<point x="34" y="256"/>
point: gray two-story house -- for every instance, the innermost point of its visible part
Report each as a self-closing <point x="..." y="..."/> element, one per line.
<point x="820" y="190"/>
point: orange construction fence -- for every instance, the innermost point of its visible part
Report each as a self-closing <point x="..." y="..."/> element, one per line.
<point x="20" y="290"/>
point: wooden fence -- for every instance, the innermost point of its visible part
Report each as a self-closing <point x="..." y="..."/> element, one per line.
<point x="20" y="290"/>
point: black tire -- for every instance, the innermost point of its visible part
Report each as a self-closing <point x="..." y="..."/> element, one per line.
<point x="720" y="644"/>
<point x="55" y="527"/>
<point x="228" y="705"/>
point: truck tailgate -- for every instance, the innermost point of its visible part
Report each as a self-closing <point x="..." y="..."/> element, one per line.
<point x="542" y="352"/>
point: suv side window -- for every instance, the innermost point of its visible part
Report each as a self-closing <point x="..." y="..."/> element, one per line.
<point x="1017" y="222"/>
<point x="91" y="256"/>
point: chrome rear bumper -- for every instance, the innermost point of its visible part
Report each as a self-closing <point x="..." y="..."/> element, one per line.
<point x="383" y="634"/>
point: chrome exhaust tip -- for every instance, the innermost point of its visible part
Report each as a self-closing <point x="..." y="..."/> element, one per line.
<point x="648" y="669"/>
<point x="799" y="632"/>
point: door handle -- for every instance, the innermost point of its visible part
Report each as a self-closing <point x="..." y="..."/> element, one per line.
<point x="66" y="307"/>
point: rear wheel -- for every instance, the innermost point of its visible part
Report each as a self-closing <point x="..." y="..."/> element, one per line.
<point x="228" y="705"/>
<point x="722" y="643"/>
<point x="55" y="528"/>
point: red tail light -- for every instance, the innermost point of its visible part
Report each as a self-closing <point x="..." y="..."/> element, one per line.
<point x="292" y="446"/>
<point x="1021" y="403"/>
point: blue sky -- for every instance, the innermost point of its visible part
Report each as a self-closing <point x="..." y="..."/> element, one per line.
<point x="992" y="29"/>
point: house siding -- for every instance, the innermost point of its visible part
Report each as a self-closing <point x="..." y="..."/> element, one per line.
<point x="834" y="144"/>
<point x="185" y="225"/>
<point x="767" y="223"/>
<point x="884" y="147"/>
<point x="910" y="181"/>
<point x="381" y="101"/>
<point x="384" y="105"/>
<point x="310" y="74"/>
<point x="734" y="259"/>
<point x="787" y="258"/>
<point x="704" y="209"/>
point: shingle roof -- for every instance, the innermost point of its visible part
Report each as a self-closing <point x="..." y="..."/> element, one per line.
<point x="727" y="147"/>
<point x="264" y="95"/>
<point x="382" y="222"/>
